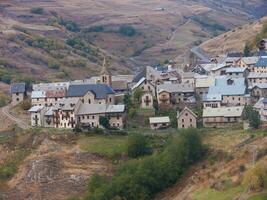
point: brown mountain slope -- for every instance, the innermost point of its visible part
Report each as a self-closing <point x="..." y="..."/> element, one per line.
<point x="38" y="39"/>
<point x="234" y="40"/>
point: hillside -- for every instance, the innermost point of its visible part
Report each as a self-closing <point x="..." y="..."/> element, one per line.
<point x="234" y="40"/>
<point x="56" y="39"/>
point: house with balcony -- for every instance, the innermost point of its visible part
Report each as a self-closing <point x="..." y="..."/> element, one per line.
<point x="168" y="94"/>
<point x="259" y="91"/>
<point x="261" y="65"/>
<point x="256" y="78"/>
<point x="248" y="62"/>
<point x="222" y="116"/>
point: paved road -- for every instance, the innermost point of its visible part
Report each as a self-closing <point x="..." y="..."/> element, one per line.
<point x="199" y="53"/>
<point x="17" y="121"/>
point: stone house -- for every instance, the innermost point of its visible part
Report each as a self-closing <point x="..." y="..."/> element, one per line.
<point x="91" y="93"/>
<point x="236" y="72"/>
<point x="256" y="78"/>
<point x="223" y="116"/>
<point x="146" y="86"/>
<point x="248" y="62"/>
<point x="226" y="92"/>
<point x="175" y="93"/>
<point x="89" y="115"/>
<point x="259" y="90"/>
<point x="147" y="101"/>
<point x="18" y="93"/>
<point x="37" y="115"/>
<point x="203" y="84"/>
<point x="186" y="119"/>
<point x="159" y="122"/>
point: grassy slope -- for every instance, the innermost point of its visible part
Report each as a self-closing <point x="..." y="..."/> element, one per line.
<point x="234" y="40"/>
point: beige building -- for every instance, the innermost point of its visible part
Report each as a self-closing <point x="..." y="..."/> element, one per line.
<point x="47" y="98"/>
<point x="186" y="119"/>
<point x="147" y="101"/>
<point x="89" y="115"/>
<point x="259" y="91"/>
<point x="175" y="93"/>
<point x="248" y="62"/>
<point x="91" y="93"/>
<point x="223" y="116"/>
<point x="37" y="116"/>
<point x="18" y="93"/>
<point x="159" y="122"/>
<point x="256" y="78"/>
<point x="203" y="84"/>
<point x="146" y="86"/>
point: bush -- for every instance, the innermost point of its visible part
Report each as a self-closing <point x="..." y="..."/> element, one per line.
<point x="137" y="145"/>
<point x="127" y="30"/>
<point x="37" y="10"/>
<point x="94" y="29"/>
<point x="25" y="105"/>
<point x="256" y="178"/>
<point x="252" y="116"/>
<point x="142" y="179"/>
<point x="103" y="121"/>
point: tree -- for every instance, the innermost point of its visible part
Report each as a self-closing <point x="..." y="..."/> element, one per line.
<point x="252" y="116"/>
<point x="127" y="30"/>
<point x="127" y="101"/>
<point x="137" y="95"/>
<point x="103" y="121"/>
<point x="247" y="50"/>
<point x="137" y="145"/>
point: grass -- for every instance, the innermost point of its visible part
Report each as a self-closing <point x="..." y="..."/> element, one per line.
<point x="209" y="193"/>
<point x="259" y="197"/>
<point x="109" y="146"/>
<point x="9" y="168"/>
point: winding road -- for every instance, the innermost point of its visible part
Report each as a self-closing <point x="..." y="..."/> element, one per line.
<point x="17" y="121"/>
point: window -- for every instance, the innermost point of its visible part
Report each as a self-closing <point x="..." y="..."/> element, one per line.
<point x="88" y="116"/>
<point x="17" y="99"/>
<point x="186" y="114"/>
<point x="182" y="120"/>
<point x="89" y="101"/>
<point x="191" y="120"/>
<point x="93" y="117"/>
<point x="110" y="99"/>
<point x="118" y="117"/>
<point x="183" y="125"/>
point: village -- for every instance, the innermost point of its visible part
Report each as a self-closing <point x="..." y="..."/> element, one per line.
<point x="220" y="88"/>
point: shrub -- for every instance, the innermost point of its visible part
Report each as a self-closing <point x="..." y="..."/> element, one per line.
<point x="142" y="179"/>
<point x="252" y="116"/>
<point x="256" y="178"/>
<point x="37" y="10"/>
<point x="25" y="105"/>
<point x="127" y="30"/>
<point x="137" y="145"/>
<point x="94" y="29"/>
<point x="103" y="121"/>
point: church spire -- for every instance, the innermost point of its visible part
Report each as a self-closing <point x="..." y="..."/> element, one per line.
<point x="104" y="68"/>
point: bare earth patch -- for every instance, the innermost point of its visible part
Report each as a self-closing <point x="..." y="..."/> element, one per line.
<point x="55" y="171"/>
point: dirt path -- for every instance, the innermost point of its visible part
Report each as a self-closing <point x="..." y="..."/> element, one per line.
<point x="17" y="121"/>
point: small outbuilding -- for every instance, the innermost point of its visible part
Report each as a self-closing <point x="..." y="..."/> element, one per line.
<point x="159" y="122"/>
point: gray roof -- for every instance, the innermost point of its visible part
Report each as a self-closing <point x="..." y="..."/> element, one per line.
<point x="100" y="90"/>
<point x="36" y="109"/>
<point x="235" y="70"/>
<point x="174" y="88"/>
<point x="18" y="88"/>
<point x="88" y="109"/>
<point x="257" y="75"/>
<point x="157" y="120"/>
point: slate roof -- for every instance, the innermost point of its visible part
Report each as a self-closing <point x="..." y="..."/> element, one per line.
<point x="223" y="88"/>
<point x="175" y="88"/>
<point x="87" y="109"/>
<point x="205" y="82"/>
<point x="260" y="85"/>
<point x="235" y="70"/>
<point x="18" y="88"/>
<point x="250" y="60"/>
<point x="262" y="62"/>
<point x="79" y="90"/>
<point x="223" y="111"/>
<point x="257" y="75"/>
